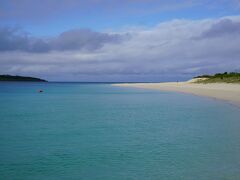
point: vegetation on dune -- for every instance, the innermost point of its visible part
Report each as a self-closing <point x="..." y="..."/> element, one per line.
<point x="232" y="77"/>
<point x="20" y="78"/>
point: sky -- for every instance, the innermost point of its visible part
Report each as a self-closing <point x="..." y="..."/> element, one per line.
<point x="113" y="40"/>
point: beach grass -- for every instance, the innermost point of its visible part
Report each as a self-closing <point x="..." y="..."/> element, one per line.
<point x="231" y="77"/>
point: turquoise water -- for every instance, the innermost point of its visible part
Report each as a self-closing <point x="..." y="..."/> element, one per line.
<point x="96" y="131"/>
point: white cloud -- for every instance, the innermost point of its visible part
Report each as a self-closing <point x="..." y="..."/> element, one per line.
<point x="170" y="50"/>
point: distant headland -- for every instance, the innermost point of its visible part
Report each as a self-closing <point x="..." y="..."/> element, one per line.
<point x="20" y="78"/>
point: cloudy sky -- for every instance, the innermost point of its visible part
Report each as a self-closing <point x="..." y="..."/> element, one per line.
<point x="113" y="40"/>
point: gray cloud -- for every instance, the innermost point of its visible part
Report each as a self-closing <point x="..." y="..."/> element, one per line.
<point x="221" y="28"/>
<point x="13" y="39"/>
<point x="164" y="52"/>
<point x="83" y="39"/>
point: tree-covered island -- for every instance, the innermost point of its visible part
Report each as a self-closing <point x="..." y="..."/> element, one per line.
<point x="20" y="78"/>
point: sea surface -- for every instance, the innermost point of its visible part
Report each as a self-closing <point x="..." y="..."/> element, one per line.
<point x="97" y="131"/>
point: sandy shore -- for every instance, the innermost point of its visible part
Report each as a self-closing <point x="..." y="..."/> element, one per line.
<point x="221" y="91"/>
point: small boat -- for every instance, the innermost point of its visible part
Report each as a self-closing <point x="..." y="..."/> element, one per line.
<point x="40" y="91"/>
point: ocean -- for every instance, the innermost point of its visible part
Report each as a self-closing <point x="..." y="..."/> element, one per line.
<point x="97" y="131"/>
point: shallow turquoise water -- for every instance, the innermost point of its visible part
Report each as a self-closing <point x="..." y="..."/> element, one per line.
<point x="96" y="131"/>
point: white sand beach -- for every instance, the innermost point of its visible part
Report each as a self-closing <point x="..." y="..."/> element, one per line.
<point x="222" y="91"/>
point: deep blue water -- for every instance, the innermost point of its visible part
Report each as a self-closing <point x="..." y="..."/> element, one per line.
<point x="96" y="131"/>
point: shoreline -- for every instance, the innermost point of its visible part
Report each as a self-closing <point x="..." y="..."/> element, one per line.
<point x="220" y="91"/>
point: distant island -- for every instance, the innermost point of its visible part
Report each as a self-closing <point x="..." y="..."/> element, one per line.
<point x="232" y="77"/>
<point x="20" y="78"/>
